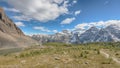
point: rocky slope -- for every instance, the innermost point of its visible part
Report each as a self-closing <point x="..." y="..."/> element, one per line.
<point x="11" y="35"/>
<point x="110" y="33"/>
<point x="89" y="35"/>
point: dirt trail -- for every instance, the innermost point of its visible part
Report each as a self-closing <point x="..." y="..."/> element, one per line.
<point x="108" y="56"/>
<point x="104" y="54"/>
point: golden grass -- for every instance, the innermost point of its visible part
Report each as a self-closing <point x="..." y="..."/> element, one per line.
<point x="56" y="55"/>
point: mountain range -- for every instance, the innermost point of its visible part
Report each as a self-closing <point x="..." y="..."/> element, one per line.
<point x="110" y="33"/>
<point x="63" y="37"/>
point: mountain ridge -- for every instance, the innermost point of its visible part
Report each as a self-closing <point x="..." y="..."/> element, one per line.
<point x="110" y="33"/>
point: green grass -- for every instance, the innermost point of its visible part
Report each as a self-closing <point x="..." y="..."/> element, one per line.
<point x="60" y="55"/>
<point x="8" y="51"/>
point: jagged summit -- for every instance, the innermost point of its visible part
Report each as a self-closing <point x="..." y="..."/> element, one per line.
<point x="113" y="26"/>
<point x="88" y="35"/>
<point x="93" y="28"/>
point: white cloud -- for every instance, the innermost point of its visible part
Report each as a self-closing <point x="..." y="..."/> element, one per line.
<point x="41" y="28"/>
<point x="110" y="22"/>
<point x="44" y="29"/>
<point x="75" y="1"/>
<point x="42" y="10"/>
<point x="55" y="31"/>
<point x="81" y="26"/>
<point x="58" y="1"/>
<point x="68" y="20"/>
<point x="11" y="9"/>
<point x="77" y="12"/>
<point x="99" y="24"/>
<point x="19" y="18"/>
<point x="19" y="24"/>
<point x="22" y="18"/>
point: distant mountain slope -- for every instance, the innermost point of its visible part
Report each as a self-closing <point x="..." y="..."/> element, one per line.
<point x="64" y="37"/>
<point x="11" y="35"/>
<point x="89" y="35"/>
<point x="110" y="33"/>
<point x="103" y="36"/>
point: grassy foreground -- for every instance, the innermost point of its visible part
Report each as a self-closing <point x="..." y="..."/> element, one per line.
<point x="59" y="55"/>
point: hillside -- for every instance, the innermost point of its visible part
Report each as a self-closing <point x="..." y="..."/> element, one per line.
<point x="11" y="35"/>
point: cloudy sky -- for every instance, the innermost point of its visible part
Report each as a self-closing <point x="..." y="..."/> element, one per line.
<point x="51" y="16"/>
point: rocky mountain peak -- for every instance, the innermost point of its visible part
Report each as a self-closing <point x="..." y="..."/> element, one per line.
<point x="93" y="28"/>
<point x="113" y="26"/>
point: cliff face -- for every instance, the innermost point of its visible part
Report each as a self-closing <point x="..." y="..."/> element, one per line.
<point x="11" y="35"/>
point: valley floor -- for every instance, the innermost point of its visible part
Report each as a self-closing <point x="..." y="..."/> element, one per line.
<point x="59" y="55"/>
